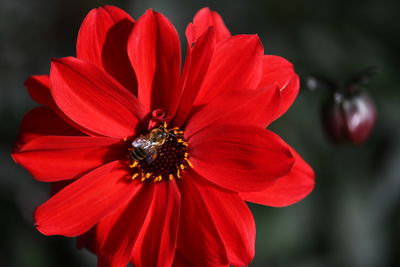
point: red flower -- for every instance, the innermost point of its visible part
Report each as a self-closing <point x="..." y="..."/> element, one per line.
<point x="174" y="195"/>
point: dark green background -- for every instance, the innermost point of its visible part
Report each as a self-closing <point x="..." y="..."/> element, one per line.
<point x="352" y="217"/>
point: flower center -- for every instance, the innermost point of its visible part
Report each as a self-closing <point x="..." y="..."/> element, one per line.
<point x="162" y="154"/>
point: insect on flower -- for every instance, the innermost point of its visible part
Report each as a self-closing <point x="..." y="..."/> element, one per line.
<point x="160" y="153"/>
<point x="145" y="147"/>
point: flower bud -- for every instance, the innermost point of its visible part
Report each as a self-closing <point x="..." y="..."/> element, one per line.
<point x="349" y="117"/>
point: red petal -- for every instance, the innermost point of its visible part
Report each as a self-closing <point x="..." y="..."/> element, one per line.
<point x="116" y="234"/>
<point x="42" y="121"/>
<point x="206" y="18"/>
<point x="257" y="107"/>
<point x="39" y="89"/>
<point x="251" y="107"/>
<point x="154" y="51"/>
<point x="93" y="32"/>
<point x="157" y="240"/>
<point x="279" y="72"/>
<point x="54" y="158"/>
<point x="102" y="40"/>
<point x="288" y="189"/>
<point x="257" y="110"/>
<point x="216" y="226"/>
<point x="76" y="208"/>
<point x="197" y="61"/>
<point x="236" y="65"/>
<point x="93" y="99"/>
<point x="239" y="158"/>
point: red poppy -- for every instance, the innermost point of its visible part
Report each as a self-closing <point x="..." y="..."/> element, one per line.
<point x="153" y="165"/>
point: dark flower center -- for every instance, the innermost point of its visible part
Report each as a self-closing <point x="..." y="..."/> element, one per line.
<point x="162" y="154"/>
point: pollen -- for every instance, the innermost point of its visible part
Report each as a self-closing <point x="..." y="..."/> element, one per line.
<point x="160" y="155"/>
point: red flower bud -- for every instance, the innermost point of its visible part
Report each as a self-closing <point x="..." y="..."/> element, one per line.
<point x="349" y="117"/>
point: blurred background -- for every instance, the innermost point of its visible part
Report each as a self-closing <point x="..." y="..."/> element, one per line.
<point x="351" y="219"/>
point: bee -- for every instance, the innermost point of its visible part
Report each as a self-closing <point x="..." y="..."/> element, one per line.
<point x="145" y="146"/>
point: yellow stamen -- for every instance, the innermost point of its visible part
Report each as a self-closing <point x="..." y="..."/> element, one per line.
<point x="189" y="163"/>
<point x="185" y="143"/>
<point x="171" y="177"/>
<point x="178" y="173"/>
<point x="134" y="164"/>
<point x="165" y="124"/>
<point x="182" y="166"/>
<point x="158" y="178"/>
<point x="186" y="155"/>
<point x="180" y="141"/>
<point x="135" y="176"/>
<point x="148" y="175"/>
<point x="178" y="132"/>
